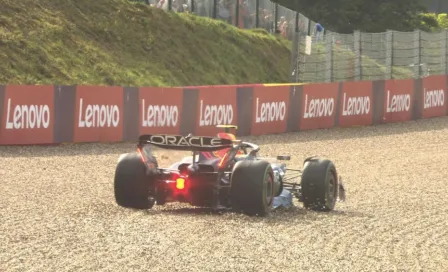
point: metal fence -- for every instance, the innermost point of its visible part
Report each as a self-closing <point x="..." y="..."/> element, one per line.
<point x="241" y="13"/>
<point x="334" y="56"/>
<point x="371" y="56"/>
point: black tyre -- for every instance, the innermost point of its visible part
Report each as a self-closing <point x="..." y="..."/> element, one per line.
<point x="131" y="184"/>
<point x="319" y="185"/>
<point x="252" y="190"/>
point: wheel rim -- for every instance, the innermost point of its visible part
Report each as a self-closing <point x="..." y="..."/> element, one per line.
<point x="269" y="187"/>
<point x="331" y="190"/>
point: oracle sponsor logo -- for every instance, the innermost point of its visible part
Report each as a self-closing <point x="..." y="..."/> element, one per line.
<point x="318" y="107"/>
<point x="398" y="102"/>
<point x="159" y="115"/>
<point x="356" y="105"/>
<point x="212" y="115"/>
<point x="27" y="116"/>
<point x="97" y="115"/>
<point x="433" y="98"/>
<point x="270" y="111"/>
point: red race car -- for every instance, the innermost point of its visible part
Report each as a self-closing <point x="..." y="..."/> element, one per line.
<point x="222" y="173"/>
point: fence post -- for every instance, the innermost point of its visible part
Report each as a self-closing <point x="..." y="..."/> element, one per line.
<point x="444" y="52"/>
<point x="192" y="6"/>
<point x="275" y="18"/>
<point x="237" y="13"/>
<point x="215" y="8"/>
<point x="357" y="47"/>
<point x="257" y="13"/>
<point x="389" y="52"/>
<point x="309" y="27"/>
<point x="417" y="57"/>
<point x="170" y="5"/>
<point x="329" y="58"/>
<point x="295" y="51"/>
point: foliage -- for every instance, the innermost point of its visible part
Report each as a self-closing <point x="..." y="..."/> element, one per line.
<point x="345" y="16"/>
<point x="432" y="22"/>
<point x="442" y="19"/>
<point x="428" y="22"/>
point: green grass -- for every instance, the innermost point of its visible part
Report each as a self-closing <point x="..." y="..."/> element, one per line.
<point x="117" y="42"/>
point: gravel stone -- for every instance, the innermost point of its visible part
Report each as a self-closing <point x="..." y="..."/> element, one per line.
<point x="58" y="211"/>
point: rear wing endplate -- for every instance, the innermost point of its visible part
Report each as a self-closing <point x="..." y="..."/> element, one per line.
<point x="186" y="143"/>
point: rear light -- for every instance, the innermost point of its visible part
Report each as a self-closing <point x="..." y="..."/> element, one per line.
<point x="141" y="155"/>
<point x="150" y="165"/>
<point x="180" y="183"/>
<point x="221" y="163"/>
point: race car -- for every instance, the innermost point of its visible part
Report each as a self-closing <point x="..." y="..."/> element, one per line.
<point x="222" y="173"/>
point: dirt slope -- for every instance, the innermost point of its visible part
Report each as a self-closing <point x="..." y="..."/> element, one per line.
<point x="116" y="42"/>
<point x="58" y="212"/>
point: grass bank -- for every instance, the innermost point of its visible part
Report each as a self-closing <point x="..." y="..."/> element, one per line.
<point x="117" y="42"/>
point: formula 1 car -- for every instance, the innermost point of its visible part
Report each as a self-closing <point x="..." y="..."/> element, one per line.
<point x="222" y="173"/>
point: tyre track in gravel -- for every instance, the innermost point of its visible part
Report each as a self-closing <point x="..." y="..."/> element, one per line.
<point x="58" y="213"/>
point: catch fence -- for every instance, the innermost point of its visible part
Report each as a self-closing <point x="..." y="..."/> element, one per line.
<point x="371" y="56"/>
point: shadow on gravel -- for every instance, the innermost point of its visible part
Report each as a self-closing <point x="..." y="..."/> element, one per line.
<point x="432" y="124"/>
<point x="292" y="215"/>
<point x="186" y="211"/>
<point x="67" y="150"/>
<point x="81" y="149"/>
<point x="98" y="149"/>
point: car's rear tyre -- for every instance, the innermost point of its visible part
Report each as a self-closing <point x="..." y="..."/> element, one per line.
<point x="131" y="184"/>
<point x="319" y="185"/>
<point x="252" y="190"/>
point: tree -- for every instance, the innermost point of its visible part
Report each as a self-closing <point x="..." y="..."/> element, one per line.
<point x="443" y="20"/>
<point x="431" y="22"/>
<point x="344" y="16"/>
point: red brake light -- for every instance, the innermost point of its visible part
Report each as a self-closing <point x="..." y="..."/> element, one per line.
<point x="180" y="183"/>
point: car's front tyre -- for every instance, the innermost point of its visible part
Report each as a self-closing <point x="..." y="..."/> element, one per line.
<point x="319" y="184"/>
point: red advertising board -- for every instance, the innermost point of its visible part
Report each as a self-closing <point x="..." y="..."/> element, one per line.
<point x="269" y="110"/>
<point x="216" y="106"/>
<point x="356" y="104"/>
<point x="398" y="100"/>
<point x="28" y="115"/>
<point x="319" y="105"/>
<point x="160" y="110"/>
<point x="434" y="96"/>
<point x="98" y="114"/>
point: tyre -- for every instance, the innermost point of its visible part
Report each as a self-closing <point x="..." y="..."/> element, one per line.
<point x="252" y="189"/>
<point x="131" y="184"/>
<point x="319" y="185"/>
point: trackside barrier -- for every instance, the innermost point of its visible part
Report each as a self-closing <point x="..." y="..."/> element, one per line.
<point x="61" y="114"/>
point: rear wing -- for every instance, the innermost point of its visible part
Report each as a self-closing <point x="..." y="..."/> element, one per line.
<point x="185" y="143"/>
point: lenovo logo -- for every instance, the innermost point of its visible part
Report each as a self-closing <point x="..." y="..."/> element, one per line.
<point x="27" y="116"/>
